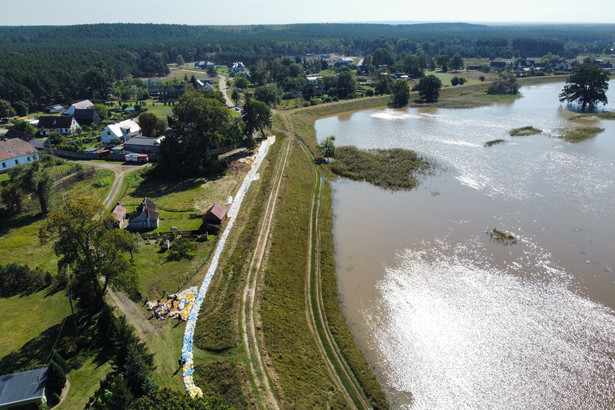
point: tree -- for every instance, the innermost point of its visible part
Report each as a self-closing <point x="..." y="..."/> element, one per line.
<point x="148" y="122"/>
<point x="34" y="178"/>
<point x="6" y="110"/>
<point x="401" y="93"/>
<point x="456" y="62"/>
<point x="384" y="84"/>
<point x="267" y="94"/>
<point x="24" y="126"/>
<point x="12" y="198"/>
<point x="179" y="60"/>
<point x="429" y="88"/>
<point x="241" y="82"/>
<point x="102" y="110"/>
<point x="587" y="85"/>
<point x="327" y="147"/>
<point x="182" y="248"/>
<point x="55" y="138"/>
<point x="204" y="122"/>
<point x="443" y="61"/>
<point x="235" y="95"/>
<point x="85" y="242"/>
<point x="505" y="84"/>
<point x="346" y="85"/>
<point x="256" y="116"/>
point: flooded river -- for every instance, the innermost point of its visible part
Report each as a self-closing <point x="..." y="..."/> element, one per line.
<point x="450" y="318"/>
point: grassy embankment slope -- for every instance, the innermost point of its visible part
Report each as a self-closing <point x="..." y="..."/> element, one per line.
<point x="221" y="361"/>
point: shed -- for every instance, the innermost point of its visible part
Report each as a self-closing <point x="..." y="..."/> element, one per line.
<point x="25" y="390"/>
<point x="215" y="215"/>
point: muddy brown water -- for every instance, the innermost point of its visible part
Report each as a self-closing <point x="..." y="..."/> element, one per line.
<point x="449" y="317"/>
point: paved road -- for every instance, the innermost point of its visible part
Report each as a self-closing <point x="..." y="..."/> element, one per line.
<point x="222" y="86"/>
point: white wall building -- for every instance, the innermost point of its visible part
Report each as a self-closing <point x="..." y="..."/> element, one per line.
<point x="123" y="131"/>
<point x="14" y="152"/>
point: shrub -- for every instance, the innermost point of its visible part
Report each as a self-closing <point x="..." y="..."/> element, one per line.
<point x="15" y="279"/>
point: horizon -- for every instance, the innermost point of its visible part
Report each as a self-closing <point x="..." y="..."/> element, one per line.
<point x="273" y="12"/>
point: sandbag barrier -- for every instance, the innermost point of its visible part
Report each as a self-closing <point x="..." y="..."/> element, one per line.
<point x="187" y="356"/>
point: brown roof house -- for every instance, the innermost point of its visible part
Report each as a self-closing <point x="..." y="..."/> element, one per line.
<point x="64" y="124"/>
<point x="119" y="213"/>
<point x="146" y="218"/>
<point x="213" y="218"/>
<point x="14" y="152"/>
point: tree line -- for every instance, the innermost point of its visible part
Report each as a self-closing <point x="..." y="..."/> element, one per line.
<point x="44" y="65"/>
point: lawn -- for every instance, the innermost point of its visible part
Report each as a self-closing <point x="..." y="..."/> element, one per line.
<point x="25" y="317"/>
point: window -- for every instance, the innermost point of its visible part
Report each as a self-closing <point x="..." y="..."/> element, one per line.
<point x="29" y="159"/>
<point x="4" y="165"/>
<point x="108" y="132"/>
<point x="16" y="161"/>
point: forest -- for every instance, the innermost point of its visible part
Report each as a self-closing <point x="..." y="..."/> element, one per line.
<point x="43" y="65"/>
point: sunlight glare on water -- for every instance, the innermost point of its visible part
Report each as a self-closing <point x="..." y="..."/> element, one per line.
<point x="458" y="332"/>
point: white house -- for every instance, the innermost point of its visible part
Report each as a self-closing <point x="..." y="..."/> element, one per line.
<point x="236" y="67"/>
<point x="14" y="152"/>
<point x="64" y="124"/>
<point x="123" y="131"/>
<point x="81" y="105"/>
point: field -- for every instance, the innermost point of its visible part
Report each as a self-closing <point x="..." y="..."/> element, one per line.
<point x="32" y="322"/>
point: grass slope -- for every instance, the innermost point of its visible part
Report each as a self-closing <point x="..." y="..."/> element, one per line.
<point x="301" y="370"/>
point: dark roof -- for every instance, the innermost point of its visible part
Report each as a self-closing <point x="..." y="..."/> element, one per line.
<point x="149" y="142"/>
<point x="39" y="143"/>
<point x="14" y="148"/>
<point x="147" y="207"/>
<point x="12" y="133"/>
<point x="54" y="122"/>
<point x="86" y="117"/>
<point x="19" y="387"/>
<point x="215" y="214"/>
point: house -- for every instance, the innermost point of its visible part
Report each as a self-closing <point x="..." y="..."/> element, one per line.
<point x="13" y="133"/>
<point x="87" y="116"/>
<point x="119" y="213"/>
<point x="345" y="60"/>
<point x="168" y="90"/>
<point x="236" y="67"/>
<point x="81" y="105"/>
<point x="123" y="131"/>
<point x="53" y="109"/>
<point x="143" y="145"/>
<point x="146" y="217"/>
<point x="14" y="152"/>
<point x="204" y="64"/>
<point x="215" y="215"/>
<point x="500" y="65"/>
<point x="23" y="391"/>
<point x="204" y="85"/>
<point x="64" y="124"/>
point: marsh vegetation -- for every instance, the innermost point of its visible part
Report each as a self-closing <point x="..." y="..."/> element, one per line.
<point x="394" y="169"/>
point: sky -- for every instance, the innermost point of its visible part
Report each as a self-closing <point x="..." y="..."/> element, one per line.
<point x="245" y="12"/>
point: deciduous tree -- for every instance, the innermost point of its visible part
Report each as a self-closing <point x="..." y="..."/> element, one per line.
<point x="401" y="93"/>
<point x="85" y="241"/>
<point x="148" y="122"/>
<point x="587" y="85"/>
<point x="429" y="88"/>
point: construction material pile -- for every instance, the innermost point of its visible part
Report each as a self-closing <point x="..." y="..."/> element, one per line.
<point x="176" y="305"/>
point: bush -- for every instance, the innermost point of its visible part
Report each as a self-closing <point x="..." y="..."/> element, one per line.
<point x="56" y="378"/>
<point x="15" y="279"/>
